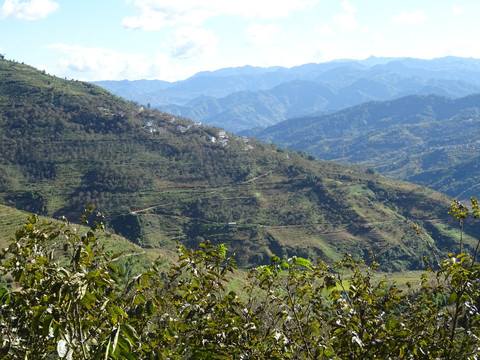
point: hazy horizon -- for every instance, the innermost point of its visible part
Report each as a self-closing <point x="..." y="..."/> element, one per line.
<point x="173" y="40"/>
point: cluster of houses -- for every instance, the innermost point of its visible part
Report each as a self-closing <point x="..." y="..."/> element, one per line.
<point x="247" y="145"/>
<point x="151" y="128"/>
<point x="183" y="129"/>
<point x="107" y="111"/>
<point x="221" y="138"/>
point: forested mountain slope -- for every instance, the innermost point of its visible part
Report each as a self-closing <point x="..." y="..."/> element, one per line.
<point x="164" y="180"/>
<point x="430" y="140"/>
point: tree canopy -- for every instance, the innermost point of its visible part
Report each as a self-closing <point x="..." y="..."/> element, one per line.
<point x="67" y="299"/>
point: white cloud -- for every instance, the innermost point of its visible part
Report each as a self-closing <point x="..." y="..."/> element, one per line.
<point x="346" y="21"/>
<point x="28" y="10"/>
<point x="467" y="46"/>
<point x="331" y="50"/>
<point x="281" y="55"/>
<point x="263" y="35"/>
<point x="457" y="10"/>
<point x="348" y="7"/>
<point x="324" y="29"/>
<point x="410" y="18"/>
<point x="99" y="63"/>
<point x="157" y="14"/>
<point x="377" y="38"/>
<point x="194" y="43"/>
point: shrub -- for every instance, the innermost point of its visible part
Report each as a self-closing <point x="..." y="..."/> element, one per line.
<point x="69" y="300"/>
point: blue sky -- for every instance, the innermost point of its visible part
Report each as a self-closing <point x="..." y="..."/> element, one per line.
<point x="174" y="39"/>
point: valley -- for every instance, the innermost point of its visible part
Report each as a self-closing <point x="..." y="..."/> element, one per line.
<point x="164" y="180"/>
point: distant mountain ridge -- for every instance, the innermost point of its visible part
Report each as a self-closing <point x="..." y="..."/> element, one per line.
<point x="239" y="99"/>
<point x="430" y="140"/>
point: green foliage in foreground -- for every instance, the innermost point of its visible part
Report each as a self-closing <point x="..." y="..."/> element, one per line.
<point x="80" y="308"/>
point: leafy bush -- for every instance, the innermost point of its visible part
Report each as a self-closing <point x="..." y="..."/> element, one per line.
<point x="68" y="300"/>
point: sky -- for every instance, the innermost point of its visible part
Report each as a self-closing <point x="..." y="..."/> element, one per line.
<point x="172" y="40"/>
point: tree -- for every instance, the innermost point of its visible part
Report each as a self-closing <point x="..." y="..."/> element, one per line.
<point x="71" y="304"/>
<point x="70" y="300"/>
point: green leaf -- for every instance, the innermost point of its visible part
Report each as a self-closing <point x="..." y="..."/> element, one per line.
<point x="452" y="298"/>
<point x="127" y="355"/>
<point x="92" y="274"/>
<point x="150" y="308"/>
<point x="89" y="300"/>
<point x="3" y="292"/>
<point x="37" y="315"/>
<point x="113" y="314"/>
<point x="112" y="267"/>
<point x="130" y="332"/>
<point x="303" y="262"/>
<point x="46" y="324"/>
<point x="124" y="343"/>
<point x="119" y="311"/>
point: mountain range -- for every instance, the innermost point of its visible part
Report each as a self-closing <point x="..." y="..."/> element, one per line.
<point x="164" y="180"/>
<point x="239" y="99"/>
<point x="430" y="140"/>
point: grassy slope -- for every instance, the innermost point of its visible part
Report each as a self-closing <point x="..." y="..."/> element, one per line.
<point x="139" y="259"/>
<point x="66" y="144"/>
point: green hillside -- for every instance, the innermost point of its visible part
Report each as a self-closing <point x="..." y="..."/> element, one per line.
<point x="164" y="180"/>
